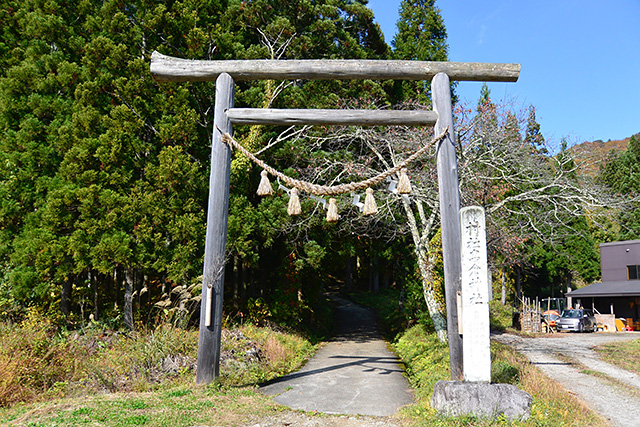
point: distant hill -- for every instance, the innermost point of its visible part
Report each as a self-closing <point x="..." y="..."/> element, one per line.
<point x="590" y="156"/>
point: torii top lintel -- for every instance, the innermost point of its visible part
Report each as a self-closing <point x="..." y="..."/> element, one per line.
<point x="169" y="69"/>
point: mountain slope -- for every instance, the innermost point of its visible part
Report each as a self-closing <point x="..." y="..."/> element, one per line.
<point x="591" y="156"/>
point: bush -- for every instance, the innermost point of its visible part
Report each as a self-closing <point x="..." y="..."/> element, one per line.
<point x="136" y="361"/>
<point x="35" y="360"/>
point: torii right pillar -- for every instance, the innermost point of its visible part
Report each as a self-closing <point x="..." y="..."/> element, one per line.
<point x="449" y="193"/>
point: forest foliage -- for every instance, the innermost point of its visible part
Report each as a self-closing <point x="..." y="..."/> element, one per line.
<point x="104" y="172"/>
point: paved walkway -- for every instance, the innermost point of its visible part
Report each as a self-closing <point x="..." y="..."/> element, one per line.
<point x="354" y="373"/>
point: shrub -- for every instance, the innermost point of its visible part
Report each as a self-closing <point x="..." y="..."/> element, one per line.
<point x="500" y="316"/>
<point x="35" y="358"/>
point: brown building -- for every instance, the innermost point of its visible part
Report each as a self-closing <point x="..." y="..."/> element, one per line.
<point x="619" y="291"/>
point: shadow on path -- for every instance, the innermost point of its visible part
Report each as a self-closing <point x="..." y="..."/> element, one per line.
<point x="354" y="373"/>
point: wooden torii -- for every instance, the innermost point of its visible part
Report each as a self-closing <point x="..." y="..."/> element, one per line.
<point x="169" y="69"/>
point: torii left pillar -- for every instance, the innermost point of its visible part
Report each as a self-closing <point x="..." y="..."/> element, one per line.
<point x="209" y="340"/>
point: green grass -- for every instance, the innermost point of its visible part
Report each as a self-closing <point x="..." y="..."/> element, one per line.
<point x="501" y="316"/>
<point x="198" y="406"/>
<point x="427" y="362"/>
<point x="622" y="354"/>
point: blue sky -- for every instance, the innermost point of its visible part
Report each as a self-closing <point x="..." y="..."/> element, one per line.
<point x="580" y="59"/>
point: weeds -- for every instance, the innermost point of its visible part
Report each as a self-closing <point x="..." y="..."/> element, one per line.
<point x="40" y="361"/>
<point x="426" y="359"/>
<point x="501" y="316"/>
<point x="35" y="360"/>
<point x="622" y="354"/>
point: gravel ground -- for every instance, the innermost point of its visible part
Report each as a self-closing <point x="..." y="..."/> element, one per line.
<point x="613" y="393"/>
<point x="297" y="419"/>
<point x="301" y="420"/>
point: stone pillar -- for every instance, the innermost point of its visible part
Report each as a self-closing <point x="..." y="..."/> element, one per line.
<point x="475" y="296"/>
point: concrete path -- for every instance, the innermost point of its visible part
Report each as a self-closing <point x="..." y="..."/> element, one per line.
<point x="354" y="373"/>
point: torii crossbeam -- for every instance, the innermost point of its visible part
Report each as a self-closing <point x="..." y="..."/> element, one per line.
<point x="169" y="69"/>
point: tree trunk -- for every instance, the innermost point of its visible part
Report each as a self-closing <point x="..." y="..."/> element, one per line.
<point x="436" y="311"/>
<point x="435" y="308"/>
<point x="349" y="273"/>
<point x="386" y="278"/>
<point x="94" y="285"/>
<point x="128" y="298"/>
<point x="65" y="297"/>
<point x="503" y="298"/>
<point x="117" y="283"/>
<point x="518" y="285"/>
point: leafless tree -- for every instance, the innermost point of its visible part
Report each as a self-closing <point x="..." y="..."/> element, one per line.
<point x="528" y="191"/>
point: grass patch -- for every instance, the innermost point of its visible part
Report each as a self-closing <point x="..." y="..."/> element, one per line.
<point x="500" y="316"/>
<point x="595" y="374"/>
<point x="622" y="354"/>
<point x="201" y="406"/>
<point x="427" y="362"/>
<point x="253" y="355"/>
<point x="39" y="361"/>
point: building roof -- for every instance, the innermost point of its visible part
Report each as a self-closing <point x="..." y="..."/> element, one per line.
<point x="621" y="243"/>
<point x="626" y="288"/>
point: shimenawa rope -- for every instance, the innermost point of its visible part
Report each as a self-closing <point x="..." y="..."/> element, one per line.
<point x="322" y="190"/>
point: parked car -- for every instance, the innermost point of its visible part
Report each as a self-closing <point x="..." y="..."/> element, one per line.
<point x="577" y="319"/>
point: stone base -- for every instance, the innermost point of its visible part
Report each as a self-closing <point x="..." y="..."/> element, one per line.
<point x="453" y="398"/>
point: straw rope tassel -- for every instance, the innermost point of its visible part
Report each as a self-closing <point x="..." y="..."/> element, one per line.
<point x="264" y="189"/>
<point x="332" y="211"/>
<point x="370" y="206"/>
<point x="404" y="185"/>
<point x="294" y="207"/>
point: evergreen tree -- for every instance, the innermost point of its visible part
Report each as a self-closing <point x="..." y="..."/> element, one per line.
<point x="512" y="128"/>
<point x="533" y="136"/>
<point x="103" y="171"/>
<point x="621" y="173"/>
<point x="421" y="36"/>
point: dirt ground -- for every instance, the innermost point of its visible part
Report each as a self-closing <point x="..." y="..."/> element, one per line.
<point x="298" y="419"/>
<point x="569" y="359"/>
<point x="304" y="420"/>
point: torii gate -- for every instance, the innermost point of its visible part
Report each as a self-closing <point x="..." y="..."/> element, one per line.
<point x="169" y="69"/>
